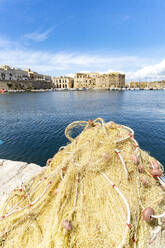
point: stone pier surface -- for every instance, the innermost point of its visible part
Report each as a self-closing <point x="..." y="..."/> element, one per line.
<point x="13" y="174"/>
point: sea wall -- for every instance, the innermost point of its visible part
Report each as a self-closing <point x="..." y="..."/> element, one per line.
<point x="25" y="85"/>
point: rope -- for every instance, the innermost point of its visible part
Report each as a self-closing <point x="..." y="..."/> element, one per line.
<point x="103" y="124"/>
<point x="71" y="126"/>
<point x="158" y="216"/>
<point x="123" y="163"/>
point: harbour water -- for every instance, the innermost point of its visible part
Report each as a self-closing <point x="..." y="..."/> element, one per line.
<point x="32" y="124"/>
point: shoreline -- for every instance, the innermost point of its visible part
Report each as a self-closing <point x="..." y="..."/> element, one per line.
<point x="82" y="89"/>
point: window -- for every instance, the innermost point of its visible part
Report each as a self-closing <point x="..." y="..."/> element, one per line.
<point x="3" y="76"/>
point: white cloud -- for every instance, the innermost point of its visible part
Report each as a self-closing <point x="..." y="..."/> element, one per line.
<point x="65" y="63"/>
<point x="150" y="72"/>
<point x="38" y="36"/>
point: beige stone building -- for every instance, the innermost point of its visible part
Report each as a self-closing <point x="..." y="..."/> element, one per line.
<point x="110" y="80"/>
<point x="96" y="80"/>
<point x="36" y="76"/>
<point x="85" y="80"/>
<point x="62" y="82"/>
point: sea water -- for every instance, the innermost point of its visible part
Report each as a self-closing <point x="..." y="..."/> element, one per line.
<point x="32" y="125"/>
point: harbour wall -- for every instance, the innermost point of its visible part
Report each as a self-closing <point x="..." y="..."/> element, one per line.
<point x="25" y="85"/>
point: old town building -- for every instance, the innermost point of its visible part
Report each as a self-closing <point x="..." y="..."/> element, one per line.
<point x="10" y="73"/>
<point x="96" y="80"/>
<point x="85" y="80"/>
<point x="62" y="82"/>
<point x="36" y="76"/>
<point x="110" y="80"/>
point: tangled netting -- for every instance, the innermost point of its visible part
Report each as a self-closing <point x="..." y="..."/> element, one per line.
<point x="94" y="193"/>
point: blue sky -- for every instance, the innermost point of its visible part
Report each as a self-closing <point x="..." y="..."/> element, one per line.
<point x="67" y="36"/>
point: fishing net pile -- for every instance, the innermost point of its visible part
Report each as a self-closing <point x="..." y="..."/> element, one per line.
<point x="99" y="191"/>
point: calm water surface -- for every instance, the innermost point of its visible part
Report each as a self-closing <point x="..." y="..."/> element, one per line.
<point x="32" y="124"/>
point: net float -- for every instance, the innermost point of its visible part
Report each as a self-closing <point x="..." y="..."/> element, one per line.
<point x="56" y="191"/>
<point x="107" y="156"/>
<point x="90" y="122"/>
<point x="135" y="159"/>
<point x="140" y="168"/>
<point x="147" y="214"/>
<point x="145" y="182"/>
<point x="49" y="161"/>
<point x="156" y="165"/>
<point x="64" y="169"/>
<point x="156" y="172"/>
<point x="66" y="224"/>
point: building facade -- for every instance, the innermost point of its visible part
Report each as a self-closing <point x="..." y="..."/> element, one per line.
<point x="62" y="82"/>
<point x="110" y="80"/>
<point x="10" y="73"/>
<point x="96" y="80"/>
<point x="16" y="74"/>
<point x="36" y="76"/>
<point x="85" y="80"/>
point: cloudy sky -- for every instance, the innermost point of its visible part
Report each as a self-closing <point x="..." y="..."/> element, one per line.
<point x="63" y="37"/>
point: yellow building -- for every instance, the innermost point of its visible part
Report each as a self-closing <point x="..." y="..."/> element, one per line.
<point x="85" y="80"/>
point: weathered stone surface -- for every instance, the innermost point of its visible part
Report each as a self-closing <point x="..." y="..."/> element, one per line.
<point x="25" y="85"/>
<point x="13" y="173"/>
<point x="101" y="81"/>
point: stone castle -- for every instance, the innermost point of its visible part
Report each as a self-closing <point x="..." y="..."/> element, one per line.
<point x="90" y="80"/>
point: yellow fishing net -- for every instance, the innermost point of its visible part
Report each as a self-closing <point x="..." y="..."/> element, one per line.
<point x="92" y="194"/>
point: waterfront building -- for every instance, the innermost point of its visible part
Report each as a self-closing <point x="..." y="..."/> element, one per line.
<point x="85" y="80"/>
<point x="62" y="82"/>
<point x="8" y="73"/>
<point x="96" y="80"/>
<point x="110" y="80"/>
<point x="11" y="73"/>
<point x="36" y="76"/>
